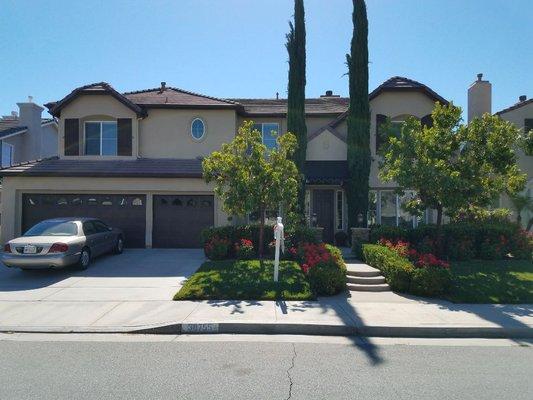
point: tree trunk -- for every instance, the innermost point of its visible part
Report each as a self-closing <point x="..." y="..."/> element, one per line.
<point x="439" y="216"/>
<point x="261" y="231"/>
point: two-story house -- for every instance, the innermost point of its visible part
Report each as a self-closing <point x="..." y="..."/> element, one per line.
<point x="134" y="159"/>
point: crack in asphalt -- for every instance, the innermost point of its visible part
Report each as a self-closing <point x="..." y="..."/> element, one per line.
<point x="289" y="370"/>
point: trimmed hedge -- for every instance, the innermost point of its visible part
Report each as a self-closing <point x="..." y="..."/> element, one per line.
<point x="403" y="276"/>
<point x="463" y="240"/>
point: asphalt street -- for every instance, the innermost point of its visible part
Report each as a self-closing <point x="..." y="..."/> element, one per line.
<point x="219" y="367"/>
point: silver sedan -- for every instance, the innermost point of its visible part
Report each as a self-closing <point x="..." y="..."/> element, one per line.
<point x="60" y="242"/>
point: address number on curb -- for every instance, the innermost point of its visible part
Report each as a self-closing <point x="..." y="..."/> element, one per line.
<point x="199" y="328"/>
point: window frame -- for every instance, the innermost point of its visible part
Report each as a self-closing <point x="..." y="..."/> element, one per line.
<point x="101" y="123"/>
<point x="11" y="153"/>
<point x="263" y="132"/>
<point x="204" y="130"/>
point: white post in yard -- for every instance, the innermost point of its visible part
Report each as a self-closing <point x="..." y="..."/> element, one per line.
<point x="278" y="236"/>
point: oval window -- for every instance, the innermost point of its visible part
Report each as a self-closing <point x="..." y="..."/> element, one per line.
<point x="197" y="129"/>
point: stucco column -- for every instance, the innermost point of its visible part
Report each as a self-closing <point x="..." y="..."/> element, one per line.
<point x="149" y="219"/>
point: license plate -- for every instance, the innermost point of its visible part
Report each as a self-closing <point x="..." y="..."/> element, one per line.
<point x="30" y="249"/>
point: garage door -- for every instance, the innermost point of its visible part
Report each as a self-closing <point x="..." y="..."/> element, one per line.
<point x="179" y="219"/>
<point x="127" y="212"/>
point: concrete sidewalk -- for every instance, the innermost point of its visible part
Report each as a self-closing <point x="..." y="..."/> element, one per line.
<point x="366" y="314"/>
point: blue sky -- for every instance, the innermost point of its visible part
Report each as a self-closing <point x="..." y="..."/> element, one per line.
<point x="235" y="48"/>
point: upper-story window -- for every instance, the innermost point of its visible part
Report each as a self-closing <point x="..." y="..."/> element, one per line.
<point x="7" y="154"/>
<point x="197" y="129"/>
<point x="269" y="132"/>
<point x="101" y="138"/>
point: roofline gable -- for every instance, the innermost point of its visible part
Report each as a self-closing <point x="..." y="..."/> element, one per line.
<point x="93" y="89"/>
<point x="515" y="107"/>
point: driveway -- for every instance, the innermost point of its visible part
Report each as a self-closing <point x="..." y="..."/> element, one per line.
<point x="114" y="290"/>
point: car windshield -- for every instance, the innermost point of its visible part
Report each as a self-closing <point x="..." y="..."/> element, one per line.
<point x="53" y="228"/>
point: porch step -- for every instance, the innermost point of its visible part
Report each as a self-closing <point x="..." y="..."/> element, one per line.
<point x="380" y="287"/>
<point x="366" y="280"/>
<point x="360" y="269"/>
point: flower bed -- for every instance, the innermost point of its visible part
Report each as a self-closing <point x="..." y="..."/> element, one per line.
<point x="464" y="240"/>
<point x="407" y="270"/>
<point x="321" y="264"/>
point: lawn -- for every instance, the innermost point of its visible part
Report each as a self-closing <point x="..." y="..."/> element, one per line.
<point x="245" y="280"/>
<point x="501" y="281"/>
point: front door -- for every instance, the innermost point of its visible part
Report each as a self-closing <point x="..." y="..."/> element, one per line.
<point x="323" y="202"/>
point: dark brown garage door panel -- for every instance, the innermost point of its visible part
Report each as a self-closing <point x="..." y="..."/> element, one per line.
<point x="179" y="219"/>
<point x="124" y="211"/>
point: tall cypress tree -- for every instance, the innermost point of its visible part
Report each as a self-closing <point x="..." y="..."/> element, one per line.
<point x="296" y="94"/>
<point x="358" y="119"/>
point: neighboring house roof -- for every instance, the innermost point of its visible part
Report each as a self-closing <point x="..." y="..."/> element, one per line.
<point x="5" y="133"/>
<point x="515" y="106"/>
<point x="141" y="168"/>
<point x="326" y="172"/>
<point x="169" y="97"/>
<point x="401" y="84"/>
<point x="9" y="126"/>
<point x="92" y="89"/>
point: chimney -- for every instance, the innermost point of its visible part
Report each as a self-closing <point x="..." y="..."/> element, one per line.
<point x="479" y="98"/>
<point x="163" y="86"/>
<point x="14" y="114"/>
<point x="329" y="93"/>
<point x="522" y="98"/>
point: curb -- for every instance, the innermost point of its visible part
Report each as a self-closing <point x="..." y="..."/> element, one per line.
<point x="292" y="329"/>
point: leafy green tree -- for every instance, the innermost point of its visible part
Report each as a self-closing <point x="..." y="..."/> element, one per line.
<point x="453" y="166"/>
<point x="296" y="94"/>
<point x="248" y="177"/>
<point x="358" y="119"/>
<point x="526" y="141"/>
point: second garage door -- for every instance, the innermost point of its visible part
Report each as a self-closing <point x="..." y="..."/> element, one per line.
<point x="179" y="219"/>
<point x="127" y="212"/>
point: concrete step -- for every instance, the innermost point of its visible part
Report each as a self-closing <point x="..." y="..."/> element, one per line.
<point x="360" y="269"/>
<point x="381" y="287"/>
<point x="366" y="280"/>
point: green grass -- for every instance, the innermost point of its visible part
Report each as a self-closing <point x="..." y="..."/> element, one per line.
<point x="245" y="280"/>
<point x="501" y="281"/>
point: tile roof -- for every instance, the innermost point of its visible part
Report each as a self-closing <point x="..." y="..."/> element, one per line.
<point x="313" y="106"/>
<point x="515" y="106"/>
<point x="13" y="130"/>
<point x="142" y="167"/>
<point x="326" y="172"/>
<point x="171" y="96"/>
<point x="399" y="83"/>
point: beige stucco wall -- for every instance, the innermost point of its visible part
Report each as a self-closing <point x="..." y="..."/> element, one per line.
<point x="14" y="187"/>
<point x="96" y="107"/>
<point x="525" y="162"/>
<point x="326" y="146"/>
<point x="166" y="133"/>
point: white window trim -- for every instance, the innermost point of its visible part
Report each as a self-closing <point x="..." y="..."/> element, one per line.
<point x="11" y="154"/>
<point x="101" y="138"/>
<point x="263" y="129"/>
<point x="205" y="129"/>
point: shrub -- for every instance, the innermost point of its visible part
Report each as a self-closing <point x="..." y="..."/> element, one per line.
<point x="326" y="279"/>
<point x="396" y="269"/>
<point x="388" y="232"/>
<point x="222" y="232"/>
<point x="341" y="238"/>
<point x="521" y="245"/>
<point x="244" y="249"/>
<point x="301" y="234"/>
<point x="217" y="248"/>
<point x="430" y="281"/>
<point x="324" y="267"/>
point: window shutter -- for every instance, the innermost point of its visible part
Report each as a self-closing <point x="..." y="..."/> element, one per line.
<point x="72" y="137"/>
<point x="380" y="120"/>
<point x="528" y="125"/>
<point x="124" y="137"/>
<point x="427" y="121"/>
